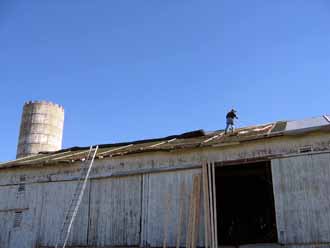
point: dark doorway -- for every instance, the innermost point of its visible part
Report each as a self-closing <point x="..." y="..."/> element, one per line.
<point x="245" y="204"/>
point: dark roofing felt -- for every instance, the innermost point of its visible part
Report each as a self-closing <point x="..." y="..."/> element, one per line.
<point x="194" y="139"/>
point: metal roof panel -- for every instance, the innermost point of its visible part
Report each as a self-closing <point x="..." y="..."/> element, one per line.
<point x="306" y="123"/>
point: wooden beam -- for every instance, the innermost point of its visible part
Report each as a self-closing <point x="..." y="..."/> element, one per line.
<point x="197" y="196"/>
<point x="180" y="219"/>
<point x="167" y="202"/>
<point x="113" y="150"/>
<point x="13" y="210"/>
<point x="209" y="171"/>
<point x="215" y="206"/>
<point x="206" y="206"/>
<point x="160" y="143"/>
<point x="190" y="217"/>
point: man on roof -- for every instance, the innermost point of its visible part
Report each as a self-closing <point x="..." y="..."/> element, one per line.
<point x="231" y="115"/>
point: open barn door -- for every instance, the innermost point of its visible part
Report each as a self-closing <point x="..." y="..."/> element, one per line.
<point x="245" y="204"/>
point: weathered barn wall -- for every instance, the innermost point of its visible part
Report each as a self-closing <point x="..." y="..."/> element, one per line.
<point x="115" y="211"/>
<point x="20" y="205"/>
<point x="6" y="224"/>
<point x="166" y="161"/>
<point x="42" y="207"/>
<point x="158" y="188"/>
<point x="124" y="203"/>
<point x="302" y="198"/>
<point x="55" y="201"/>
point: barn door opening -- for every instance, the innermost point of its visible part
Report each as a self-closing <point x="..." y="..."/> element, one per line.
<point x="245" y="204"/>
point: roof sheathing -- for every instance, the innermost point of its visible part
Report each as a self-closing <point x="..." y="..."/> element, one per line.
<point x="195" y="139"/>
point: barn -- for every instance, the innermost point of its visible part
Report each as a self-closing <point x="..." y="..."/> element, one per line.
<point x="271" y="186"/>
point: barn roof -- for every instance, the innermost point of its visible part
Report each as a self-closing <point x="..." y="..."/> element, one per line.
<point x="194" y="139"/>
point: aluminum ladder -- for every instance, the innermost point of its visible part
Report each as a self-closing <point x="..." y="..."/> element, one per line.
<point x="72" y="211"/>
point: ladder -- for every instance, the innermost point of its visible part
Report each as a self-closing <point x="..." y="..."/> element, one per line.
<point x="72" y="211"/>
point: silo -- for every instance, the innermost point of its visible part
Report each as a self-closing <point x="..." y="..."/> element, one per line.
<point x="41" y="128"/>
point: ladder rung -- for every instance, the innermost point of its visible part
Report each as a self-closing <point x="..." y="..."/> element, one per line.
<point x="76" y="201"/>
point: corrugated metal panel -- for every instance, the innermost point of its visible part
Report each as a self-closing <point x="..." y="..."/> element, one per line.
<point x="307" y="123"/>
<point x="56" y="200"/>
<point x="302" y="198"/>
<point x="156" y="189"/>
<point x="115" y="211"/>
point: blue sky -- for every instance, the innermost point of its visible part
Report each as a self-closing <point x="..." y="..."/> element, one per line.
<point x="127" y="70"/>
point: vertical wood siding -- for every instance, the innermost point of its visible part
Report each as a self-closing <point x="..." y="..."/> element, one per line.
<point x="6" y="224"/>
<point x="28" y="201"/>
<point x="56" y="199"/>
<point x="302" y="198"/>
<point x="115" y="211"/>
<point x="156" y="187"/>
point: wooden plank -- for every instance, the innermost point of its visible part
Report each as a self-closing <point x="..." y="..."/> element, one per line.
<point x="190" y="217"/>
<point x="65" y="156"/>
<point x="206" y="206"/>
<point x="197" y="194"/>
<point x="159" y="184"/>
<point x="193" y="226"/>
<point x="209" y="171"/>
<point x="14" y="210"/>
<point x="113" y="150"/>
<point x="215" y="206"/>
<point x="180" y="219"/>
<point x="166" y="217"/>
<point x="161" y="143"/>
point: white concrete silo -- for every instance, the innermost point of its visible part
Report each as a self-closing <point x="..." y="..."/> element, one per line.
<point x="41" y="128"/>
